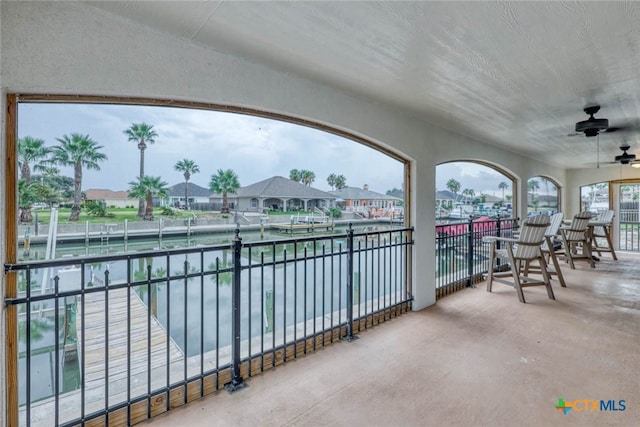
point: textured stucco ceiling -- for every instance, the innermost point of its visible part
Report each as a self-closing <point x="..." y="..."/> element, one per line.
<point x="516" y="74"/>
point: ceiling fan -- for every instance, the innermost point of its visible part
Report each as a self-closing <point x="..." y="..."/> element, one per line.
<point x="625" y="158"/>
<point x="592" y="126"/>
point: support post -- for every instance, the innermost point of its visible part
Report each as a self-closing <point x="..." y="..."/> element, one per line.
<point x="349" y="336"/>
<point x="237" y="383"/>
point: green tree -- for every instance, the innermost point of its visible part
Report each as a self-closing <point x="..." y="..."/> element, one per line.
<point x="189" y="167"/>
<point x="294" y="175"/>
<point x="454" y="187"/>
<point x="503" y="186"/>
<point x="146" y="188"/>
<point x="142" y="134"/>
<point x="331" y="180"/>
<point x="469" y="193"/>
<point x="26" y="197"/>
<point x="78" y="151"/>
<point x="30" y="151"/>
<point x="308" y="177"/>
<point x="224" y="182"/>
<point x="532" y="186"/>
<point x="341" y="182"/>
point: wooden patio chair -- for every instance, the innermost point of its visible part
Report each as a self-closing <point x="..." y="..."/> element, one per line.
<point x="549" y="250"/>
<point x="601" y="232"/>
<point x="575" y="240"/>
<point x="520" y="253"/>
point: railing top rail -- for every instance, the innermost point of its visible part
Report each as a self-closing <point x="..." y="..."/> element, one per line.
<point x="93" y="259"/>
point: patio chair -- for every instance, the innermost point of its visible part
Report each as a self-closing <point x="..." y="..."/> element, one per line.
<point x="575" y="240"/>
<point x="601" y="232"/>
<point x="549" y="249"/>
<point x="520" y="253"/>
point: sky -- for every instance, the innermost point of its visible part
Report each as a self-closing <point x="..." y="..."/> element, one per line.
<point x="255" y="148"/>
<point x="481" y="179"/>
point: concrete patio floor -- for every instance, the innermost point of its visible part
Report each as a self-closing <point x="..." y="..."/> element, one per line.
<point x="473" y="359"/>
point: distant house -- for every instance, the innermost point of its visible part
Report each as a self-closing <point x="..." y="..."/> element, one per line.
<point x="110" y="198"/>
<point x="278" y="193"/>
<point x="446" y="199"/>
<point x="197" y="194"/>
<point x="367" y="202"/>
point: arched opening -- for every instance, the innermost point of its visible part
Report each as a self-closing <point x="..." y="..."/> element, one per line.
<point x="190" y="168"/>
<point x="543" y="196"/>
<point x="467" y="188"/>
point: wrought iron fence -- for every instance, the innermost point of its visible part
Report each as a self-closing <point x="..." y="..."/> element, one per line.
<point x="118" y="339"/>
<point x="461" y="256"/>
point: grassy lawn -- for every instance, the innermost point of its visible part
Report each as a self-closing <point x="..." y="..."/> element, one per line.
<point x="118" y="215"/>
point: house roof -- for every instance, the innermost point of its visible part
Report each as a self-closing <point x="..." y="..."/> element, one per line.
<point x="278" y="186"/>
<point x="449" y="195"/>
<point x="102" y="194"/>
<point x="355" y="193"/>
<point x="194" y="190"/>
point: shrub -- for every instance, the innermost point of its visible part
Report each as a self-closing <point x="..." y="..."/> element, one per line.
<point x="335" y="212"/>
<point x="166" y="210"/>
<point x="97" y="209"/>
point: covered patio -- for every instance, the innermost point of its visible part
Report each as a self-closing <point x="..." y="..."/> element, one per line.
<point x="501" y="84"/>
<point x="474" y="358"/>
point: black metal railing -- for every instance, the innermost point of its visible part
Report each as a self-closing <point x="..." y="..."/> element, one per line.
<point x="629" y="230"/>
<point x="121" y="338"/>
<point x="462" y="258"/>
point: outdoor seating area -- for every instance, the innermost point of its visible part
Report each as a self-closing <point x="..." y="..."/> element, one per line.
<point x="533" y="252"/>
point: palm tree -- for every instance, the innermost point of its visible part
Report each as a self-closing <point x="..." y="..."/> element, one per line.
<point x="31" y="150"/>
<point x="331" y="180"/>
<point x="147" y="188"/>
<point x="533" y="185"/>
<point x="469" y="193"/>
<point x="307" y="177"/>
<point x="78" y="151"/>
<point x="142" y="134"/>
<point x="188" y="167"/>
<point x="224" y="182"/>
<point x="341" y="182"/>
<point x="454" y="187"/>
<point x="503" y="186"/>
<point x="294" y="175"/>
<point x="26" y="197"/>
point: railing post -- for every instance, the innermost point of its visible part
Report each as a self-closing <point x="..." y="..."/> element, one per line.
<point x="350" y="337"/>
<point x="237" y="382"/>
<point x="470" y="254"/>
<point x="499" y="232"/>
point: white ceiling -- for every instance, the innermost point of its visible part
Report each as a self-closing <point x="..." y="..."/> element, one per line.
<point x="513" y="73"/>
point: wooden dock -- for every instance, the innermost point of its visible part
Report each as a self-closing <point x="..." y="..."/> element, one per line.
<point x="306" y="228"/>
<point x="95" y="362"/>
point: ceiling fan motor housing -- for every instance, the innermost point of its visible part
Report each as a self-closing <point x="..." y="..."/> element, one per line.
<point x="592" y="126"/>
